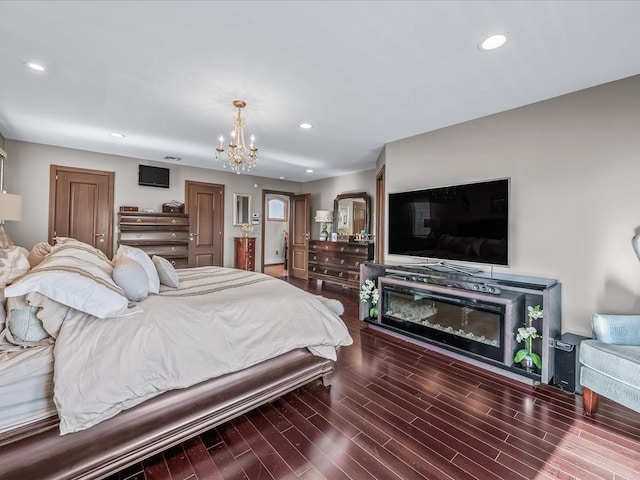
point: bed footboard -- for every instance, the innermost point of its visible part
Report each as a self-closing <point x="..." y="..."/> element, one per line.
<point x="157" y="424"/>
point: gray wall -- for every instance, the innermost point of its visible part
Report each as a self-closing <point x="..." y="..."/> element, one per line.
<point x="27" y="173"/>
<point x="323" y="193"/>
<point x="575" y="174"/>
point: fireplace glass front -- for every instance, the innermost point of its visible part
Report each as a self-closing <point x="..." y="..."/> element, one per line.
<point x="471" y="325"/>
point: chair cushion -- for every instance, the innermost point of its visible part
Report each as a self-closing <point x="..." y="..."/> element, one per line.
<point x="619" y="362"/>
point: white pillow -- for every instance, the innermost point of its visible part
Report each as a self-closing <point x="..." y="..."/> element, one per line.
<point x="131" y="278"/>
<point x="77" y="275"/>
<point x="143" y="259"/>
<point x="166" y="272"/>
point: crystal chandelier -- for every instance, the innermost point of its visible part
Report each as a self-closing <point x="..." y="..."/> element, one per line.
<point x="239" y="157"/>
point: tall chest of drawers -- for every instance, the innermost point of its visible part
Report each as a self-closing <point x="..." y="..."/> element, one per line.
<point x="246" y="253"/>
<point x="162" y="234"/>
<point x="338" y="262"/>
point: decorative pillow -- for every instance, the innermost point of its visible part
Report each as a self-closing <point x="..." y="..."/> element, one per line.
<point x="131" y="278"/>
<point x="38" y="252"/>
<point x="143" y="259"/>
<point x="25" y="326"/>
<point x="13" y="264"/>
<point x="76" y="275"/>
<point x="166" y="272"/>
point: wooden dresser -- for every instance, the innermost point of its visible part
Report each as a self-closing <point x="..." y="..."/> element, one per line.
<point x="338" y="262"/>
<point x="246" y="253"/>
<point x="162" y="234"/>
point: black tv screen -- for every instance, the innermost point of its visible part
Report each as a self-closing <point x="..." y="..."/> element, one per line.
<point x="468" y="223"/>
<point x="153" y="176"/>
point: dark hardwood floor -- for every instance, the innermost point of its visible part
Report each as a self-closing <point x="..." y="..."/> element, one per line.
<point x="400" y="411"/>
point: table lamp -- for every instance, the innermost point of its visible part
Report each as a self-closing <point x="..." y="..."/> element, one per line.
<point x="323" y="217"/>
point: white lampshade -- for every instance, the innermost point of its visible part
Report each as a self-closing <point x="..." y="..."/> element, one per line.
<point x="10" y="206"/>
<point x="323" y="216"/>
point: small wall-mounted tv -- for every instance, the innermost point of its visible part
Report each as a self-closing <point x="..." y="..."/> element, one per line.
<point x="468" y="223"/>
<point x="153" y="176"/>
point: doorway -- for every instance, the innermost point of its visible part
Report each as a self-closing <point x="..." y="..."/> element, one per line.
<point x="81" y="206"/>
<point x="276" y="227"/>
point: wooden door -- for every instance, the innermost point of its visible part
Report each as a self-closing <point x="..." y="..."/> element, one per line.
<point x="205" y="206"/>
<point x="300" y="232"/>
<point x="380" y="216"/>
<point x="81" y="206"/>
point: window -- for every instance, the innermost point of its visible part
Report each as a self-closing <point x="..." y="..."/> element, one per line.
<point x="277" y="210"/>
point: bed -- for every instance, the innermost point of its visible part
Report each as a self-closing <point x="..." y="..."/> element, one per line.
<point x="131" y="379"/>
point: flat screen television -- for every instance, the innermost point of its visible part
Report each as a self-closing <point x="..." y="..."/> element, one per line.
<point x="468" y="223"/>
<point x="153" y="176"/>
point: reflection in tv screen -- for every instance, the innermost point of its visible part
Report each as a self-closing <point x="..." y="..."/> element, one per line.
<point x="468" y="223"/>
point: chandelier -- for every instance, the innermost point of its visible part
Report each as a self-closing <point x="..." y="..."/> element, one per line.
<point x="239" y="157"/>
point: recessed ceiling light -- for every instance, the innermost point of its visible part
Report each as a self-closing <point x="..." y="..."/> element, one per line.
<point x="35" y="66"/>
<point x="309" y="170"/>
<point x="305" y="125"/>
<point x="117" y="135"/>
<point x="493" y="42"/>
<point x="172" y="158"/>
<point x="283" y="178"/>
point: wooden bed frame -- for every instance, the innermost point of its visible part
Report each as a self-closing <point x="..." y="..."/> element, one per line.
<point x="40" y="452"/>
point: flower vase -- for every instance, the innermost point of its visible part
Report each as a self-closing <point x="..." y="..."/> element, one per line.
<point x="373" y="312"/>
<point x="527" y="364"/>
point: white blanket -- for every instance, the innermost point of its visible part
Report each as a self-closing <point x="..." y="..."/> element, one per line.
<point x="218" y="321"/>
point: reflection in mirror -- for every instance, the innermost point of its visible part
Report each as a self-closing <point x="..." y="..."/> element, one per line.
<point x="351" y="213"/>
<point x="241" y="208"/>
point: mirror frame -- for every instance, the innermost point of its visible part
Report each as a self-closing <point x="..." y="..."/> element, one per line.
<point x="236" y="213"/>
<point x="358" y="195"/>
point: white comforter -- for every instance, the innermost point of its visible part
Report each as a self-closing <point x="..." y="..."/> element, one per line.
<point x="218" y="321"/>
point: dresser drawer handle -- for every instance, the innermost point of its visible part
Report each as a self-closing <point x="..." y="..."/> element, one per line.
<point x="357" y="250"/>
<point x="342" y="261"/>
<point x="326" y="247"/>
<point x="139" y="220"/>
<point x="313" y="269"/>
<point x="326" y="259"/>
<point x="173" y="262"/>
<point x="325" y="271"/>
<point x="173" y="235"/>
<point x="342" y="249"/>
<point x="138" y="235"/>
<point x="173" y="221"/>
<point x="315" y="257"/>
<point x="173" y="249"/>
<point x="357" y="264"/>
<point x="340" y="275"/>
<point x="357" y="277"/>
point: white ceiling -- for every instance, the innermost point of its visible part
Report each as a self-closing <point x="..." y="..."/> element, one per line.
<point x="363" y="72"/>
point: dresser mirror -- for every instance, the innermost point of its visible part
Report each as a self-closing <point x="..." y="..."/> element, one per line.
<point x="351" y="213"/>
<point x="241" y="209"/>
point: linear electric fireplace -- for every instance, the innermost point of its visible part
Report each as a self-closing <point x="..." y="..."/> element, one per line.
<point x="476" y="324"/>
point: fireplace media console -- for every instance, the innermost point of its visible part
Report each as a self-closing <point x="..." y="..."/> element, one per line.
<point x="471" y="313"/>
